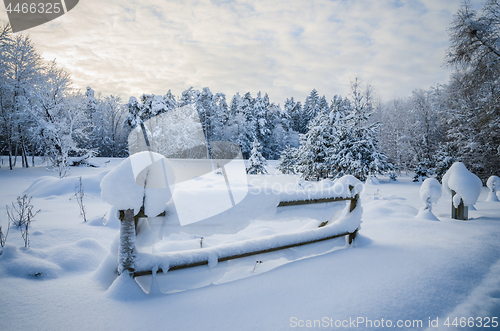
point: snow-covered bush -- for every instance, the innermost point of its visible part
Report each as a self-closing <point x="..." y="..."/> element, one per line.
<point x="493" y="184"/>
<point x="430" y="192"/>
<point x="466" y="185"/>
<point x="256" y="162"/>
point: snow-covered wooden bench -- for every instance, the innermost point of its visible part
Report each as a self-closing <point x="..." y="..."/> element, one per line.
<point x="146" y="263"/>
<point x="348" y="226"/>
<point x="140" y="264"/>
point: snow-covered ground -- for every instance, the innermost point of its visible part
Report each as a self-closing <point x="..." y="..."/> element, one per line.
<point x="401" y="270"/>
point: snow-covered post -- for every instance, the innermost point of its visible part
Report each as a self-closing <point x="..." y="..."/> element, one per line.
<point x="464" y="188"/>
<point x="136" y="187"/>
<point x="430" y="192"/>
<point x="127" y="252"/>
<point x="493" y="184"/>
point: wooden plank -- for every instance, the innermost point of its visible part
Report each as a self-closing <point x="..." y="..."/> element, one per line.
<point x="309" y="201"/>
<point x="233" y="257"/>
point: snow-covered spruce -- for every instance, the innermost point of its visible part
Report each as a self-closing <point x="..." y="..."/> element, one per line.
<point x="465" y="184"/>
<point x="430" y="192"/>
<point x="493" y="184"/>
<point x="256" y="162"/>
<point x="422" y="171"/>
<point x="342" y="140"/>
<point x="288" y="161"/>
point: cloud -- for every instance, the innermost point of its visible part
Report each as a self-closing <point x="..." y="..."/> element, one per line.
<point x="285" y="48"/>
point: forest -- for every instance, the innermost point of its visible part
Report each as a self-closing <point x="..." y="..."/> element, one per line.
<point x="43" y="114"/>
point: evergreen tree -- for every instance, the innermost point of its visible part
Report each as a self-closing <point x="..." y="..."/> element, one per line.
<point x="356" y="150"/>
<point x="259" y="120"/>
<point x="288" y="160"/>
<point x="445" y="158"/>
<point x="220" y="117"/>
<point x="315" y="146"/>
<point x="188" y="97"/>
<point x="422" y="171"/>
<point x="256" y="162"/>
<point x="311" y="108"/>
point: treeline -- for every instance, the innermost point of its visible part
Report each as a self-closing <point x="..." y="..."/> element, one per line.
<point x="458" y="121"/>
<point x="243" y="119"/>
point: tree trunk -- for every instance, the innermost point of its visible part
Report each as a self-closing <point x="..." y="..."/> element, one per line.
<point x="15" y="155"/>
<point x="10" y="155"/>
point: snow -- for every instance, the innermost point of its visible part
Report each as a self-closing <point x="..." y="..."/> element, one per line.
<point x="399" y="267"/>
<point x="47" y="186"/>
<point x="493" y="184"/>
<point x="349" y="223"/>
<point x="466" y="185"/>
<point x="340" y="188"/>
<point x="430" y="192"/>
<point x="139" y="179"/>
<point x="83" y="255"/>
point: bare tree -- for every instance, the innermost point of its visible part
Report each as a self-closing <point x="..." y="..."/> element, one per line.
<point x="474" y="40"/>
<point x="473" y="114"/>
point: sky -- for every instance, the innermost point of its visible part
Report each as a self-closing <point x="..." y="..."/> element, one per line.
<point x="284" y="48"/>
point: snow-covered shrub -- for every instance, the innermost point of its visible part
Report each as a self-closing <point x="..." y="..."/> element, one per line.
<point x="430" y="192"/>
<point x="466" y="185"/>
<point x="256" y="162"/>
<point x="493" y="184"/>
